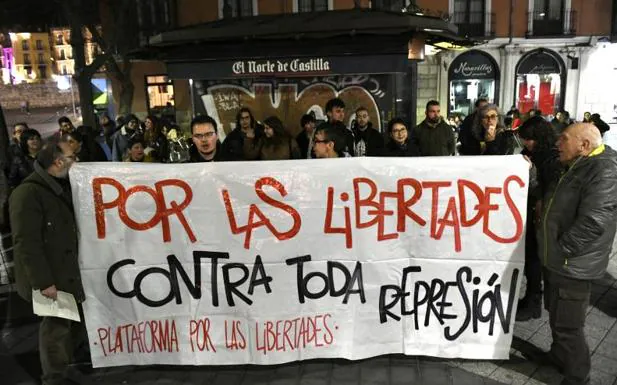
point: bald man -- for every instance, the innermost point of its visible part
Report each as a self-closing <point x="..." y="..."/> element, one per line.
<point x="577" y="232"/>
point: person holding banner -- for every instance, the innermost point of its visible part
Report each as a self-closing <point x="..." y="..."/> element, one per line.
<point x="578" y="228"/>
<point x="399" y="143"/>
<point x="330" y="142"/>
<point x="46" y="255"/>
<point x="206" y="145"/>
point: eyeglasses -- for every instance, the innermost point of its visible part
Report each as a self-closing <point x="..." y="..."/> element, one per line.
<point x="399" y="131"/>
<point x="203" y="136"/>
<point x="491" y="117"/>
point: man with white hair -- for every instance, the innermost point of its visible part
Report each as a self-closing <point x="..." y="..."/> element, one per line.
<point x="577" y="232"/>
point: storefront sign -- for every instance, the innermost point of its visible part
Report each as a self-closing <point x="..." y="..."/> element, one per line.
<point x="285" y="66"/>
<point x="473" y="65"/>
<point x="272" y="262"/>
<point x="540" y="63"/>
<point x="289" y="67"/>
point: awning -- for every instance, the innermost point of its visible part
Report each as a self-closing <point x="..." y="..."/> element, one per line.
<point x="310" y="25"/>
<point x="327" y="42"/>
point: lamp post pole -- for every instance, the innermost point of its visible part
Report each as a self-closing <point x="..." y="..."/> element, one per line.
<point x="73" y="98"/>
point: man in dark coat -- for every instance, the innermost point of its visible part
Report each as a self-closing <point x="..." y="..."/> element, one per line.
<point x="469" y="144"/>
<point x="246" y="124"/>
<point x="367" y="140"/>
<point x="434" y="137"/>
<point x="46" y="255"/>
<point x="305" y="137"/>
<point x="577" y="233"/>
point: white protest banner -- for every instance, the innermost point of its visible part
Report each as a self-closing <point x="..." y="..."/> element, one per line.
<point x="271" y="262"/>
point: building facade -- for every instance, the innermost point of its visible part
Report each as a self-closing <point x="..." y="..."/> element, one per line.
<point x="548" y="55"/>
<point x="62" y="51"/>
<point x="538" y="54"/>
<point x="30" y="57"/>
<point x="208" y="91"/>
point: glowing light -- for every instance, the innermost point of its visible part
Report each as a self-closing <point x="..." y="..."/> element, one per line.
<point x="430" y="50"/>
<point x="62" y="82"/>
<point x="450" y="46"/>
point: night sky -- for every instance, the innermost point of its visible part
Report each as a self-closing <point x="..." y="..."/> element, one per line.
<point x="30" y="15"/>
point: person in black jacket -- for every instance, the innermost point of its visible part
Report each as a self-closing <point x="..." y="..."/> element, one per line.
<point x="15" y="145"/>
<point x="335" y="111"/>
<point x="246" y="124"/>
<point x="367" y="140"/>
<point x="599" y="123"/>
<point x="577" y="233"/>
<point x="399" y="143"/>
<point x="206" y="145"/>
<point x="23" y="164"/>
<point x="490" y="132"/>
<point x="539" y="138"/>
<point x="469" y="144"/>
<point x="305" y="137"/>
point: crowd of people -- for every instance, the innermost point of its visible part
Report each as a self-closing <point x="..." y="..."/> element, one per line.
<point x="571" y="219"/>
<point x="486" y="131"/>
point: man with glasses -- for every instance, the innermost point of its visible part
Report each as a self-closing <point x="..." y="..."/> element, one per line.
<point x="434" y="137"/>
<point x="329" y="141"/>
<point x="206" y="145"/>
<point x="46" y="254"/>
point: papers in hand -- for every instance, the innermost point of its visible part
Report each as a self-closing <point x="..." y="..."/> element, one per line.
<point x="64" y="307"/>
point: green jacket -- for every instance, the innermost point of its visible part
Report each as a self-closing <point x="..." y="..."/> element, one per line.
<point x="44" y="236"/>
<point x="434" y="141"/>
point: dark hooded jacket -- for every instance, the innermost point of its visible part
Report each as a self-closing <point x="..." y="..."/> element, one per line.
<point x="502" y="145"/>
<point x="44" y="235"/>
<point x="233" y="146"/>
<point x="580" y="217"/>
<point x="373" y="140"/>
<point x="407" y="149"/>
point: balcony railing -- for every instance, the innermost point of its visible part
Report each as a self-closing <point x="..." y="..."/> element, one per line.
<point x="545" y="24"/>
<point x="474" y="24"/>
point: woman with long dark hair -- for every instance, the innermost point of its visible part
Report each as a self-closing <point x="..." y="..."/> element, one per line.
<point x="539" y="139"/>
<point x="23" y="164"/>
<point x="274" y="144"/>
<point x="156" y="146"/>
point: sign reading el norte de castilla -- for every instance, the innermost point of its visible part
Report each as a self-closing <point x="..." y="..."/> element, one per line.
<point x="264" y="67"/>
<point x="271" y="262"/>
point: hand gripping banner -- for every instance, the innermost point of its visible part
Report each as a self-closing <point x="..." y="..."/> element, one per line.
<point x="271" y="262"/>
